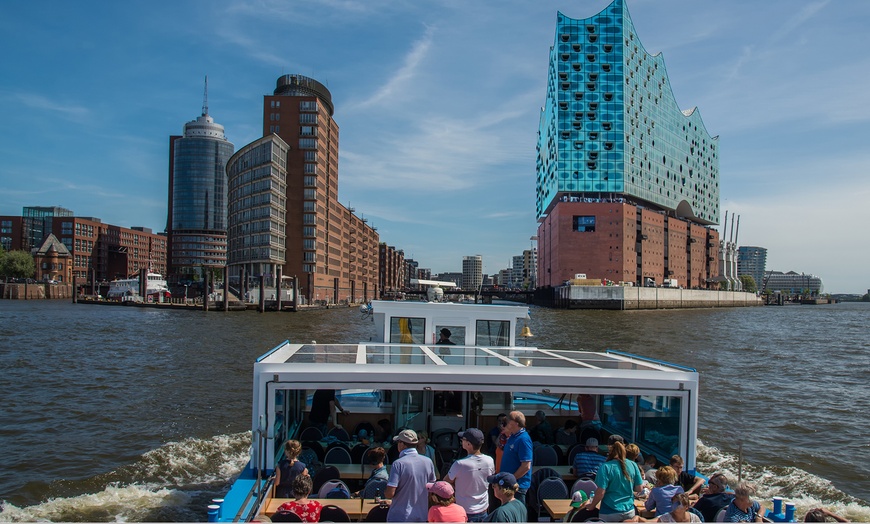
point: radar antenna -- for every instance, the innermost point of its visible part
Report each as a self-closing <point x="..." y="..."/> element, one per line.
<point x="205" y="98"/>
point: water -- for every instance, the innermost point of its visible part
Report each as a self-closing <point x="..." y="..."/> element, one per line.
<point x="115" y="413"/>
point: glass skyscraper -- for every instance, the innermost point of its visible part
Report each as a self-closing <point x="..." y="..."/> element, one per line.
<point x="611" y="128"/>
<point x="198" y="222"/>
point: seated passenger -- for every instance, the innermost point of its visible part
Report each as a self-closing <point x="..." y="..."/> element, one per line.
<point x="588" y="460"/>
<point x="504" y="487"/>
<point x="649" y="469"/>
<point x="308" y="510"/>
<point x="542" y="431"/>
<point x="679" y="510"/>
<point x="661" y="495"/>
<point x="714" y="497"/>
<point x="567" y="434"/>
<point x="821" y="515"/>
<point x="743" y="508"/>
<point x="691" y="484"/>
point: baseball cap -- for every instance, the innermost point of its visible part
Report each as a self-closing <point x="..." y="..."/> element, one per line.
<point x="592" y="442"/>
<point x="408" y="436"/>
<point x="578" y="498"/>
<point x="440" y="488"/>
<point x="472" y="435"/>
<point x="503" y="479"/>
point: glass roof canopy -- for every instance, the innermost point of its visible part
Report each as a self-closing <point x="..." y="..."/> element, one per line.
<point x="461" y="356"/>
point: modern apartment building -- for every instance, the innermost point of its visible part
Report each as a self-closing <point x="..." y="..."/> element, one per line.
<point x="627" y="183"/>
<point x="391" y="270"/>
<point x="472" y="272"/>
<point x="752" y="261"/>
<point x="197" y="221"/>
<point x="37" y="223"/>
<point x="793" y="283"/>
<point x="332" y="251"/>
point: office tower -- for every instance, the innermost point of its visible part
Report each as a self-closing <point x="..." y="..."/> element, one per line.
<point x="472" y="272"/>
<point x="627" y="183"/>
<point x="332" y="251"/>
<point x="197" y="225"/>
<point x="752" y="261"/>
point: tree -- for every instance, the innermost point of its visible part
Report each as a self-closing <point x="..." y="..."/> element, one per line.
<point x="17" y="264"/>
<point x="748" y="283"/>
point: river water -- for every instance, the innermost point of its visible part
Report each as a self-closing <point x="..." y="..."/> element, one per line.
<point x="118" y="413"/>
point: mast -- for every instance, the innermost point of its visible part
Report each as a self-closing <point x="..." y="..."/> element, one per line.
<point x="205" y="98"/>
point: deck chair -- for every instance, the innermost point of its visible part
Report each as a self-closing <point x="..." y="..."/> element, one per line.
<point x="584" y="485"/>
<point x="357" y="452"/>
<point x="377" y="513"/>
<point x="550" y="488"/>
<point x="325" y="473"/>
<point x="339" y="434"/>
<point x="311" y="433"/>
<point x="545" y="456"/>
<point x="285" y="516"/>
<point x="720" y="515"/>
<point x="333" y="489"/>
<point x="337" y="455"/>
<point x="372" y="488"/>
<point x="333" y="513"/>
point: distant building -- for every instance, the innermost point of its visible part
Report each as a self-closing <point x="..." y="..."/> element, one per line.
<point x="37" y="223"/>
<point x="257" y="241"/>
<point x="411" y="267"/>
<point x="752" y="261"/>
<point x="197" y="224"/>
<point x="456" y="278"/>
<point x="53" y="261"/>
<point x="793" y="283"/>
<point x="472" y="272"/>
<point x="391" y="270"/>
<point x="627" y="183"/>
<point x="12" y="233"/>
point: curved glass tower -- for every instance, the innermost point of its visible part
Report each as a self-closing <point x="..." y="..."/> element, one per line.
<point x="611" y="127"/>
<point x="198" y="233"/>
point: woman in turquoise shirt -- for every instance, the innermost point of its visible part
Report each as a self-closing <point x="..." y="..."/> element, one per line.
<point x="618" y="479"/>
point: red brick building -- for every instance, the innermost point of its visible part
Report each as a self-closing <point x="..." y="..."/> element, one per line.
<point x="623" y="242"/>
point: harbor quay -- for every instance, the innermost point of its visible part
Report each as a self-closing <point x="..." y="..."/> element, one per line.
<point x="634" y="298"/>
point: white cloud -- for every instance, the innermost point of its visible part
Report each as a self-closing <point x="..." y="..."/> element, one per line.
<point x="43" y="103"/>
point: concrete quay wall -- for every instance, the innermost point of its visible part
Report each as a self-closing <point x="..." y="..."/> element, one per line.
<point x="631" y="298"/>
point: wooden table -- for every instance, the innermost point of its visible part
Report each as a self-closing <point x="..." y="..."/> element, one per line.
<point x="351" y="506"/>
<point x="355" y="471"/>
<point x="558" y="508"/>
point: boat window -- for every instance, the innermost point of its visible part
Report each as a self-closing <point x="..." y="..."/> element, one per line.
<point x="409" y="407"/>
<point x="617" y="415"/>
<point x="658" y="425"/>
<point x="288" y="414"/>
<point x="493" y="333"/>
<point x="455" y="335"/>
<point x="405" y="330"/>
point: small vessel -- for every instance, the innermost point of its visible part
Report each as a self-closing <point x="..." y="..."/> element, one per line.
<point x="410" y="380"/>
<point x="127" y="289"/>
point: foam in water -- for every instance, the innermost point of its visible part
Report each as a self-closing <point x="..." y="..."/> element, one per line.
<point x="806" y="490"/>
<point x="169" y="483"/>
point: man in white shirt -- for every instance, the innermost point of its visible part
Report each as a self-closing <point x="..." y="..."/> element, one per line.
<point x="469" y="476"/>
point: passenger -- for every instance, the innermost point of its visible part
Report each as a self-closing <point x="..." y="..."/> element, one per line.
<point x="423" y="447"/>
<point x="288" y="469"/>
<point x="821" y="515"/>
<point x="588" y="412"/>
<point x="406" y="485"/>
<point x="376" y="458"/>
<point x="542" y="431"/>
<point x="661" y="495"/>
<point x="614" y="438"/>
<point x="743" y="508"/>
<point x="649" y="469"/>
<point x="323" y="404"/>
<point x="469" y="475"/>
<point x="578" y="499"/>
<point x="691" y="483"/>
<point x="618" y="480"/>
<point x="632" y="452"/>
<point x="504" y="487"/>
<point x="444" y="338"/>
<point x="517" y="457"/>
<point x="443" y="506"/>
<point x="567" y="434"/>
<point x="679" y="510"/>
<point x="714" y="498"/>
<point x="384" y="431"/>
<point x="308" y="510"/>
<point x="494" y="434"/>
<point x="588" y="460"/>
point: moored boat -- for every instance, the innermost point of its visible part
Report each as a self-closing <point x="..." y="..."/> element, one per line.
<point x="127" y="289"/>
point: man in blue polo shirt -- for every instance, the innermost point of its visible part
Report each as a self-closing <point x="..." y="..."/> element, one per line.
<point x="517" y="457"/>
<point x="406" y="486"/>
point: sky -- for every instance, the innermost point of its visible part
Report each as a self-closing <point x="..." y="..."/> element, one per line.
<point x="438" y="105"/>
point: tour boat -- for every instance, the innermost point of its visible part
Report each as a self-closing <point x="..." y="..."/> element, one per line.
<point x="128" y="288"/>
<point x="408" y="379"/>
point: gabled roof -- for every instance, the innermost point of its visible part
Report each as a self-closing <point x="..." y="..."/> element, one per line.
<point x="51" y="243"/>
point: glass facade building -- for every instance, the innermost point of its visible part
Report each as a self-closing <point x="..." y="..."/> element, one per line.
<point x="37" y="222"/>
<point x="752" y="261"/>
<point x="198" y="224"/>
<point x="257" y="210"/>
<point x="611" y="127"/>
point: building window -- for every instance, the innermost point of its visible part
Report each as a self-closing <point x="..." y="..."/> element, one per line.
<point x="584" y="224"/>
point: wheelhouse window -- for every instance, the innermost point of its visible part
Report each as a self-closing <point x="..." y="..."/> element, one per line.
<point x="405" y="330"/>
<point x="584" y="224"/>
<point x="492" y="333"/>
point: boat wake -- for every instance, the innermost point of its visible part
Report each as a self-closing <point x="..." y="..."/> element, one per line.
<point x="172" y="483"/>
<point x="176" y="482"/>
